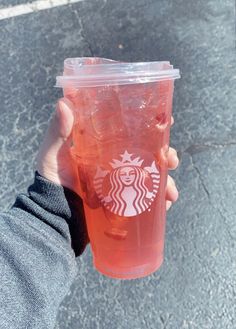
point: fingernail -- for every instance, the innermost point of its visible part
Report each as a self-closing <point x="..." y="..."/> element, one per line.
<point x="65" y="103"/>
<point x="64" y="106"/>
<point x="61" y="104"/>
<point x="168" y="204"/>
<point x="176" y="159"/>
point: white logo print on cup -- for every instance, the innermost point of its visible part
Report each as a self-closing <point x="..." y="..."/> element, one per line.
<point x="127" y="189"/>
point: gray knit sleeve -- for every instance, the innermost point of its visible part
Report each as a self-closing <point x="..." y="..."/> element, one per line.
<point x="39" y="238"/>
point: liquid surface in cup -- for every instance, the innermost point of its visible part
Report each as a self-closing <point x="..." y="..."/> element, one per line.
<point x="120" y="142"/>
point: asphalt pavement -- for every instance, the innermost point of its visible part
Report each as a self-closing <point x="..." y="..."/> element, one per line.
<point x="196" y="286"/>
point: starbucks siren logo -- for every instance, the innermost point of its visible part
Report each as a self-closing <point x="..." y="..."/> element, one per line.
<point x="127" y="189"/>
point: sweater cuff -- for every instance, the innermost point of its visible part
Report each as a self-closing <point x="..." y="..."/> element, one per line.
<point x="62" y="202"/>
<point x="52" y="197"/>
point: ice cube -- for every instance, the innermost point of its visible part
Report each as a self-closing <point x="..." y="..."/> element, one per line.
<point x="106" y="116"/>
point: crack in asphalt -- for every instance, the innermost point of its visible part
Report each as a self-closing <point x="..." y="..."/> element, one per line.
<point x="200" y="177"/>
<point x="83" y="33"/>
<point x="209" y="197"/>
<point x="198" y="148"/>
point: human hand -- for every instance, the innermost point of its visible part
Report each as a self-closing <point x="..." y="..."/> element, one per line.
<point x="54" y="160"/>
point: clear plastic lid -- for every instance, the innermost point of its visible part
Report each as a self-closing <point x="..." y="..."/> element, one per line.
<point x="94" y="72"/>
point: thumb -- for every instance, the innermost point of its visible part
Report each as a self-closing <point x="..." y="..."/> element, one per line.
<point x="62" y="123"/>
<point x="57" y="137"/>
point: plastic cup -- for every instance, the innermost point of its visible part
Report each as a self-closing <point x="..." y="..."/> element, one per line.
<point x="120" y="143"/>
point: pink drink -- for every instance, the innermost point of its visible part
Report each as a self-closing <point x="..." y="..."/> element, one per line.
<point x="121" y="139"/>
